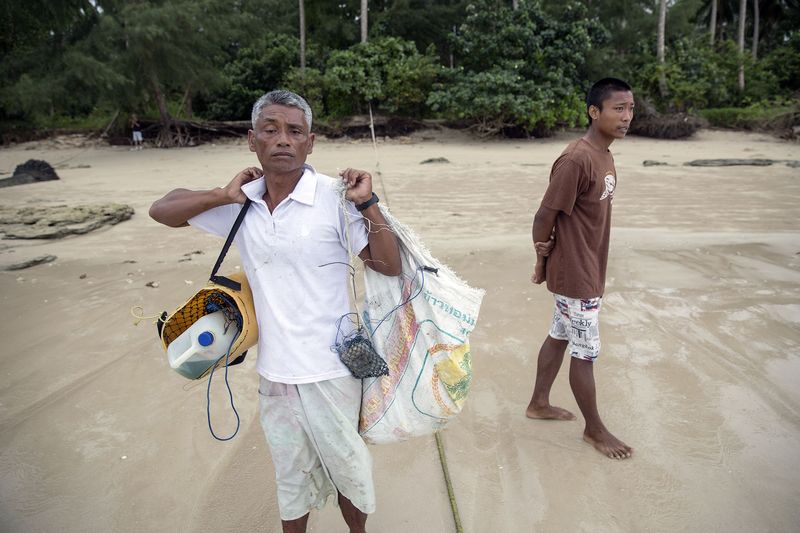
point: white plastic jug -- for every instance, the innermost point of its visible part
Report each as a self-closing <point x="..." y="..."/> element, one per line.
<point x="195" y="350"/>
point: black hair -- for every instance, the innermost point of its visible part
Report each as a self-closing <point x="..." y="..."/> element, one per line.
<point x="600" y="90"/>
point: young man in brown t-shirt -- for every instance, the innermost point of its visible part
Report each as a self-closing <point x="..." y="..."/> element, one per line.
<point x="570" y="234"/>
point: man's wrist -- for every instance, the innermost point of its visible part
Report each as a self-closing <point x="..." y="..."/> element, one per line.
<point x="372" y="201"/>
<point x="221" y="196"/>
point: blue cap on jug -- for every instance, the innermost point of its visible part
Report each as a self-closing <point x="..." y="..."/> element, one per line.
<point x="206" y="338"/>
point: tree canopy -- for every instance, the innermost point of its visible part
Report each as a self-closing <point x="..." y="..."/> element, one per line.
<point x="514" y="67"/>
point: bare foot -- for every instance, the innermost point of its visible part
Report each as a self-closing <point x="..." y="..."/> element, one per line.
<point x="609" y="445"/>
<point x="548" y="413"/>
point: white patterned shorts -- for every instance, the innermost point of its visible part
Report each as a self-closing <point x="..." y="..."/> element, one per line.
<point x="578" y="321"/>
<point x="312" y="432"/>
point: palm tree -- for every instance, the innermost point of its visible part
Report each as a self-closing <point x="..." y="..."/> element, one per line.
<point x="755" y="29"/>
<point x="364" y="9"/>
<point x="712" y="25"/>
<point x="742" y="18"/>
<point x="302" y="7"/>
<point x="662" y="25"/>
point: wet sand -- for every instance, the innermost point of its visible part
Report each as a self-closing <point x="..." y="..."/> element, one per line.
<point x="698" y="372"/>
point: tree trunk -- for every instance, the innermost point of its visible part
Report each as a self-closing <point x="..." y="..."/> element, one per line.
<point x="171" y="134"/>
<point x="364" y="9"/>
<point x="514" y="4"/>
<point x="742" y="18"/>
<point x="755" y="28"/>
<point x="161" y="101"/>
<point x="662" y="25"/>
<point x="450" y="46"/>
<point x="302" y="37"/>
<point x="186" y="102"/>
<point x="712" y="25"/>
<point x="189" y="108"/>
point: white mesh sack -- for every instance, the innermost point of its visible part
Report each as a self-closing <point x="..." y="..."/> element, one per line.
<point x="419" y="323"/>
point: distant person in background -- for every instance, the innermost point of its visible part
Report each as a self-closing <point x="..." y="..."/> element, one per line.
<point x="136" y="128"/>
<point x="571" y="233"/>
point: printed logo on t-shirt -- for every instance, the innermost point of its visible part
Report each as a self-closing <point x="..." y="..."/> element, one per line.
<point x="611" y="182"/>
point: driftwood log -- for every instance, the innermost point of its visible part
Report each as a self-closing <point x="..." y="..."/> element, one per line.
<point x="32" y="262"/>
<point x="185" y="132"/>
<point x="740" y="162"/>
<point x="192" y="133"/>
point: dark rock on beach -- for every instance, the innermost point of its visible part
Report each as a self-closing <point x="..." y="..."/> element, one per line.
<point x="53" y="222"/>
<point x="652" y="163"/>
<point x="31" y="171"/>
<point x="435" y="160"/>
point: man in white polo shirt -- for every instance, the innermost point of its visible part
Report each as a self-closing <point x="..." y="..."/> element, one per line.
<point x="295" y="242"/>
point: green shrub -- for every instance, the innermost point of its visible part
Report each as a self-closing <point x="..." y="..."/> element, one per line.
<point x="755" y="117"/>
<point x="257" y="69"/>
<point x="500" y="100"/>
<point x="521" y="69"/>
<point x="784" y="63"/>
<point x="701" y="76"/>
<point x="388" y="72"/>
<point x="309" y="85"/>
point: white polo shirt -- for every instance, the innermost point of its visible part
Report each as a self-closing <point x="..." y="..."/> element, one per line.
<point x="298" y="301"/>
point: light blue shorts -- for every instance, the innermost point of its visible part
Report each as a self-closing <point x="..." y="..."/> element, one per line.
<point x="578" y="321"/>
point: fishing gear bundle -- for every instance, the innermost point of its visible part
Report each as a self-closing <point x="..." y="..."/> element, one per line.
<point x="359" y="356"/>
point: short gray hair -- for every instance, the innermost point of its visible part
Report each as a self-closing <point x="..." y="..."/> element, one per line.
<point x="285" y="98"/>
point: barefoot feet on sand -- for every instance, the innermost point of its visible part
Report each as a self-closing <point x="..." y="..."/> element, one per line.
<point x="548" y="412"/>
<point x="609" y="445"/>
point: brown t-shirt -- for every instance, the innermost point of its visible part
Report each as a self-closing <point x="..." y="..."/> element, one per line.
<point x="582" y="184"/>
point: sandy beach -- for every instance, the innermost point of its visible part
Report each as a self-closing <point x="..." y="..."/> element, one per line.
<point x="699" y="370"/>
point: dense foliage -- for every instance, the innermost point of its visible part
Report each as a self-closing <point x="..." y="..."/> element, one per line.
<point x="387" y="71"/>
<point x="518" y="70"/>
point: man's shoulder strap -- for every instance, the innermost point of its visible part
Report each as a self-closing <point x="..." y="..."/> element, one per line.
<point x="222" y="280"/>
